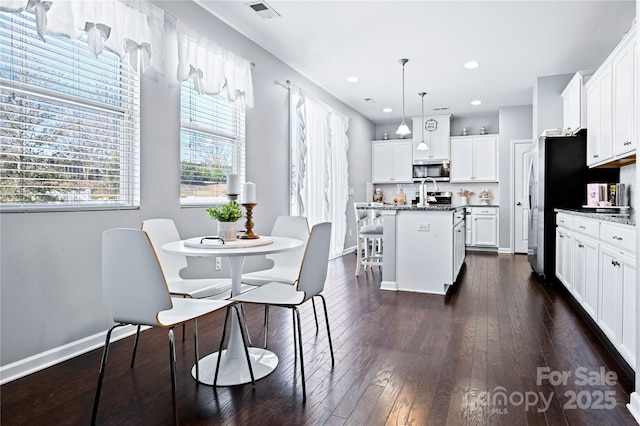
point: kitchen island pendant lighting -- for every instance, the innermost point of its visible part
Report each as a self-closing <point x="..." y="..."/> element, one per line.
<point x="403" y="130"/>
<point x="422" y="146"/>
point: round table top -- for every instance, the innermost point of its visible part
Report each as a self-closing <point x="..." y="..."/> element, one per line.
<point x="278" y="245"/>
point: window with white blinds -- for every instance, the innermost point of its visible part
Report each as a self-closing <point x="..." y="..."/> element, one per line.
<point x="69" y="128"/>
<point x="212" y="144"/>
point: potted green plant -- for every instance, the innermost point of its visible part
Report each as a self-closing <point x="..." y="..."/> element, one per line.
<point x="227" y="215"/>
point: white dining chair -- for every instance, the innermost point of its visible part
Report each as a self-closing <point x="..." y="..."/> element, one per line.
<point x="162" y="231"/>
<point x="369" y="248"/>
<point x="135" y="290"/>
<point x="309" y="284"/>
<point x="286" y="266"/>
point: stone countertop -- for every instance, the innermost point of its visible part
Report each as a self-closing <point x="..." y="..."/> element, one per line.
<point x="483" y="205"/>
<point x="409" y="207"/>
<point x="624" y="220"/>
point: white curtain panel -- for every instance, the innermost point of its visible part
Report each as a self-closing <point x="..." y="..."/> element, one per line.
<point x="320" y="175"/>
<point x="132" y="29"/>
<point x="214" y="69"/>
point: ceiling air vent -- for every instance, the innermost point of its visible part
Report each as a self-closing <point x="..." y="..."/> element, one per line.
<point x="263" y="9"/>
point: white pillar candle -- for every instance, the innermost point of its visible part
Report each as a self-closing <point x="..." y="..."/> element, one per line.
<point x="249" y="193"/>
<point x="233" y="184"/>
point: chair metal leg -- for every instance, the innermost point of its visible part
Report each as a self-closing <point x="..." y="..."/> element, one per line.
<point x="103" y="362"/>
<point x="295" y="338"/>
<point x="326" y="317"/>
<point x="244" y="321"/>
<point x="172" y="360"/>
<point x="315" y="314"/>
<point x="195" y="348"/>
<point x="266" y="325"/>
<point x="304" y="388"/>
<point x="135" y="346"/>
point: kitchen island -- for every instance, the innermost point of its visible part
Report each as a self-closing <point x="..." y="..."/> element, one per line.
<point x="424" y="247"/>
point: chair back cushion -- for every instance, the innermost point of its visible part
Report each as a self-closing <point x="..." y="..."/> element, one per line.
<point x="160" y="232"/>
<point x="133" y="285"/>
<point x="313" y="271"/>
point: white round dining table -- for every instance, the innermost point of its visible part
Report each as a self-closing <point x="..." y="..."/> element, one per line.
<point x="233" y="364"/>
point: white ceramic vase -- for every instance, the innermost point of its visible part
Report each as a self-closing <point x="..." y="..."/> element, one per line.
<point x="227" y="231"/>
<point x="463" y="201"/>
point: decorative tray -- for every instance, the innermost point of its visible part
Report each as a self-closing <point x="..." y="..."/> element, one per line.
<point x="214" y="242"/>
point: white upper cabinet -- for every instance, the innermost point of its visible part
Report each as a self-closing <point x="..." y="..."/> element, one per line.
<point x="612" y="111"/>
<point x="436" y="129"/>
<point x="392" y="161"/>
<point x="624" y="88"/>
<point x="575" y="103"/>
<point x="599" y="115"/>
<point x="474" y="158"/>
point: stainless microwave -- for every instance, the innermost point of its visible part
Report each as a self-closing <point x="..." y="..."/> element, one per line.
<point x="438" y="171"/>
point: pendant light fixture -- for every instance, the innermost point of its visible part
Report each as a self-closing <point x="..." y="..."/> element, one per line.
<point x="422" y="146"/>
<point x="403" y="130"/>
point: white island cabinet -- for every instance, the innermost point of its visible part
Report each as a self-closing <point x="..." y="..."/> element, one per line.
<point x="429" y="249"/>
<point x="423" y="248"/>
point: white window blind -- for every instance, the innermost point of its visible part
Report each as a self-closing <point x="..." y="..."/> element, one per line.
<point x="69" y="131"/>
<point x="212" y="144"/>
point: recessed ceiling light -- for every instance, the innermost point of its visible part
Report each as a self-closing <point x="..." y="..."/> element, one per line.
<point x="476" y="102"/>
<point x="369" y="100"/>
<point x="387" y="110"/>
<point x="471" y="65"/>
<point x="353" y="79"/>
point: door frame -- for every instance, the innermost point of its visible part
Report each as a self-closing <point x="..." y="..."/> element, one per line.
<point x="512" y="191"/>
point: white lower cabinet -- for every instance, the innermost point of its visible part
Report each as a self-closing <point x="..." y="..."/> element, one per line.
<point x="484" y="227"/>
<point x="585" y="272"/>
<point x="595" y="260"/>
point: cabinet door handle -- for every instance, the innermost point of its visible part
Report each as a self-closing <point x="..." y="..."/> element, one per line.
<point x="561" y="236"/>
<point x="581" y="227"/>
<point x="615" y="237"/>
<point x="595" y="156"/>
<point x="580" y="246"/>
<point x="615" y="262"/>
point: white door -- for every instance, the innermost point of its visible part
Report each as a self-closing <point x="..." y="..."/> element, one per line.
<point x="521" y="163"/>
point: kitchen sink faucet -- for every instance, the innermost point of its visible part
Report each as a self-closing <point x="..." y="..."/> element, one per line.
<point x="424" y="199"/>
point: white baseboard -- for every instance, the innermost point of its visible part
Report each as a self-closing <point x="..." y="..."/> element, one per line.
<point x="389" y="285"/>
<point x="54" y="356"/>
<point x="634" y="406"/>
<point x="504" y="250"/>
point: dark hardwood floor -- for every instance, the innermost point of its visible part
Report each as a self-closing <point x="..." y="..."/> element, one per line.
<point x="401" y="359"/>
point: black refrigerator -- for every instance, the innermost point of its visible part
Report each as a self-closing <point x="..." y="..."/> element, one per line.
<point x="557" y="179"/>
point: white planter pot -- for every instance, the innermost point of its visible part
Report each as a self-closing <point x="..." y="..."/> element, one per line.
<point x="227" y="231"/>
<point x="463" y="201"/>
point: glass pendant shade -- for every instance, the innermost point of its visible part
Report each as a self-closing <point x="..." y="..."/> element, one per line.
<point x="422" y="146"/>
<point x="403" y="130"/>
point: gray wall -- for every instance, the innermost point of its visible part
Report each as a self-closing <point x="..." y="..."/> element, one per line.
<point x="50" y="287"/>
<point x="515" y="123"/>
<point x="547" y="102"/>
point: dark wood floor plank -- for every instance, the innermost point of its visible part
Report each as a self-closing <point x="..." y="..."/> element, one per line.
<point x="400" y="359"/>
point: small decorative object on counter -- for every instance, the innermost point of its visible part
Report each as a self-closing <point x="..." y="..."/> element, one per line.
<point x="465" y="132"/>
<point x="377" y="196"/>
<point x="385" y="136"/>
<point x="400" y="197"/>
<point x="483" y="130"/>
<point x="464" y="194"/>
<point x="485" y="197"/>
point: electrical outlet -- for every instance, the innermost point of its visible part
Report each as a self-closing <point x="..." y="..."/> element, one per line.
<point x="218" y="263"/>
<point x="423" y="227"/>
